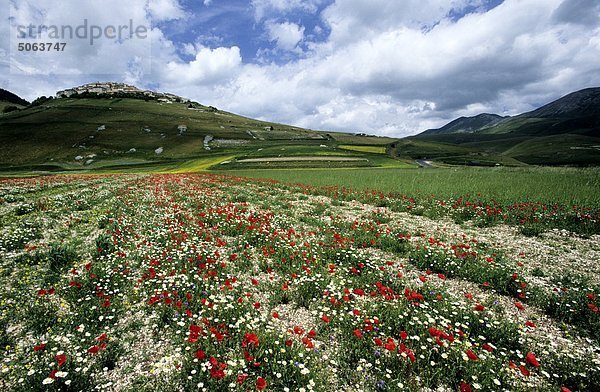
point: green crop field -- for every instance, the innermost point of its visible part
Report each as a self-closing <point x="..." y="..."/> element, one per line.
<point x="369" y="149"/>
<point x="552" y="185"/>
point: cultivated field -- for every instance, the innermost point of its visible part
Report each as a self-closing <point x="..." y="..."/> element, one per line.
<point x="180" y="282"/>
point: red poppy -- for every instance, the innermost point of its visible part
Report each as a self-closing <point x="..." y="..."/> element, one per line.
<point x="358" y="291"/>
<point x="275" y="315"/>
<point x="403" y="335"/>
<point x="358" y="333"/>
<point x="524" y="371"/>
<point x="93" y="350"/>
<point x="256" y="305"/>
<point x="200" y="354"/>
<point x="530" y="324"/>
<point x="479" y="307"/>
<point x="472" y="356"/>
<point x="250" y="340"/>
<point x="61" y="359"/>
<point x="464" y="387"/>
<point x="531" y="359"/>
<point x="390" y="345"/>
<point x="39" y="347"/>
<point x="261" y="384"/>
<point x="325" y="319"/>
<point x="519" y="305"/>
<point x="241" y="378"/>
<point x="308" y="343"/>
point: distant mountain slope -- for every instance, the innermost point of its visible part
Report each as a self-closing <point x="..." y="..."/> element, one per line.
<point x="582" y="103"/>
<point x="467" y="124"/>
<point x="8" y="97"/>
<point x="575" y="112"/>
<point x="563" y="132"/>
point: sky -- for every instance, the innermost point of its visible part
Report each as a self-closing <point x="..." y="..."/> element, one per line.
<point x="384" y="67"/>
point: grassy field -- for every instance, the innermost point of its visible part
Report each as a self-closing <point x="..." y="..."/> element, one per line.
<point x="550" y="185"/>
<point x="214" y="283"/>
<point x="96" y="134"/>
<point x="369" y="149"/>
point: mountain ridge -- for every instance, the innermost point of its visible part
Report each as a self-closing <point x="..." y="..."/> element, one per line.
<point x="563" y="132"/>
<point x="12" y="98"/>
<point x="583" y="104"/>
<point x="467" y="124"/>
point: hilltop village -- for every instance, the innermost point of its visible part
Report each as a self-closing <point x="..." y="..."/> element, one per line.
<point x="118" y="89"/>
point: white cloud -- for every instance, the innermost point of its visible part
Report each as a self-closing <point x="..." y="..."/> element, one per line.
<point x="87" y="55"/>
<point x="209" y="67"/>
<point x="357" y="19"/>
<point x="162" y="10"/>
<point x="414" y="69"/>
<point x="584" y="12"/>
<point x="286" y="35"/>
<point x="392" y="68"/>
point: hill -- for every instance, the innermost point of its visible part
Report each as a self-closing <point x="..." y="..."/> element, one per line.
<point x="563" y="132"/>
<point x="582" y="103"/>
<point x="99" y="132"/>
<point x="8" y="99"/>
<point x="467" y="124"/>
<point x="7" y="96"/>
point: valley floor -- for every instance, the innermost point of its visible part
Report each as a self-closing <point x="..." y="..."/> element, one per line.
<point x="208" y="282"/>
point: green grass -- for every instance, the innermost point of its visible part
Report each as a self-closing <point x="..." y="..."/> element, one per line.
<point x="369" y="149"/>
<point x="550" y="185"/>
<point x="560" y="149"/>
<point x="48" y="138"/>
<point x="62" y="129"/>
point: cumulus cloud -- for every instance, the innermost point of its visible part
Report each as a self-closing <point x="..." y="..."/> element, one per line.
<point x="162" y="10"/>
<point x="584" y="12"/>
<point x="393" y="68"/>
<point x="210" y="66"/>
<point x="108" y="53"/>
<point x="286" y="35"/>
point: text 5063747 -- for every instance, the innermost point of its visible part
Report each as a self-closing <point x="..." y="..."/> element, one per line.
<point x="42" y="46"/>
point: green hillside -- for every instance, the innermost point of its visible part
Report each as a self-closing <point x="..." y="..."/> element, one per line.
<point x="10" y="102"/>
<point x="135" y="133"/>
<point x="100" y="133"/>
<point x="563" y="132"/>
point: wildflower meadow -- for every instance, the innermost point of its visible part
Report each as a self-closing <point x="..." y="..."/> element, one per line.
<point x="206" y="282"/>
